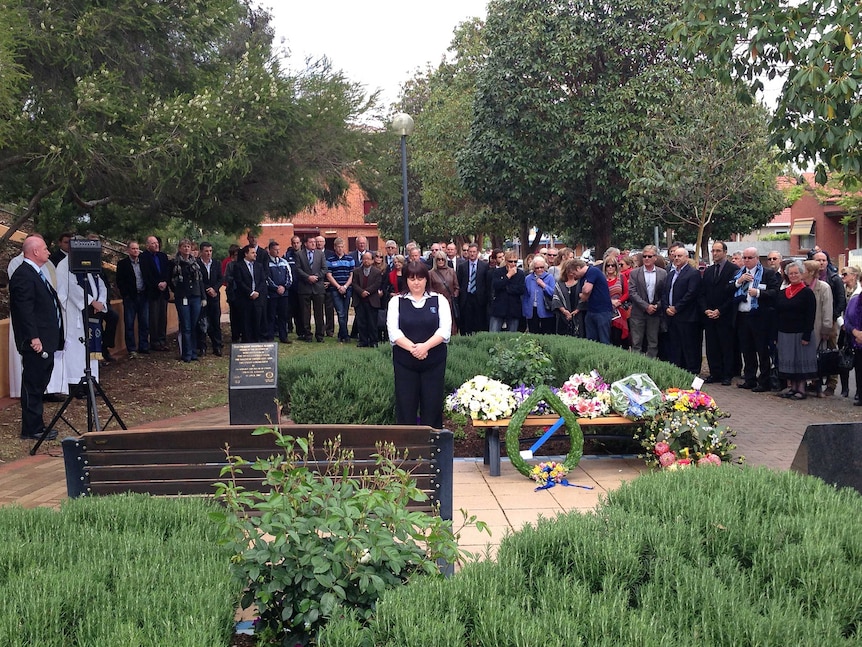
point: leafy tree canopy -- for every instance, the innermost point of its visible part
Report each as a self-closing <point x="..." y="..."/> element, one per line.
<point x="814" y="46"/>
<point x="134" y="113"/>
<point x="559" y="104"/>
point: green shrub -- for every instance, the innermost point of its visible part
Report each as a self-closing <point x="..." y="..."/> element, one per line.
<point x="707" y="556"/>
<point x="347" y="385"/>
<point x="523" y="361"/>
<point x="336" y="541"/>
<point x="118" y="570"/>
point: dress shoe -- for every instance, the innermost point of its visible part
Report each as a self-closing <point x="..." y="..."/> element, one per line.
<point x="202" y="352"/>
<point x="726" y="382"/>
<point x="106" y="356"/>
<point x="857" y="403"/>
<point x="306" y="338"/>
<point x="320" y="340"/>
<point x="709" y="380"/>
<point x="144" y="352"/>
<point x="747" y="385"/>
<point x="53" y="397"/>
<point x="828" y="392"/>
<point x="50" y="436"/>
<point x="217" y="352"/>
<point x="760" y="389"/>
<point x="845" y="393"/>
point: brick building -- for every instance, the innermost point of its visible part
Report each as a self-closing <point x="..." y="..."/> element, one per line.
<point x="342" y="221"/>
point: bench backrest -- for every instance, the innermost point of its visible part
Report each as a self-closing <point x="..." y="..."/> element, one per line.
<point x="188" y="461"/>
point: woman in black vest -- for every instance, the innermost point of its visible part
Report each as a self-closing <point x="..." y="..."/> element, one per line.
<point x="419" y="324"/>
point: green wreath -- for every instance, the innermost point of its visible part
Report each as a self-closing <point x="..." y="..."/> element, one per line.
<point x="543" y="393"/>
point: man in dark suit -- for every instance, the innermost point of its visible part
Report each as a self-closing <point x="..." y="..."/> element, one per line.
<point x="366" y="299"/>
<point x="716" y="306"/>
<point x="250" y="294"/>
<point x="38" y="327"/>
<point x="213" y="278"/>
<point x="133" y="290"/>
<point x="261" y="255"/>
<point x="473" y="292"/>
<point x="311" y="269"/>
<point x="679" y="305"/>
<point x="756" y="288"/>
<point x="646" y="287"/>
<point x="157" y="275"/>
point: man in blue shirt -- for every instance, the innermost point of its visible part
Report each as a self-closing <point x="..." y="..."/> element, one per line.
<point x="595" y="298"/>
<point x="340" y="279"/>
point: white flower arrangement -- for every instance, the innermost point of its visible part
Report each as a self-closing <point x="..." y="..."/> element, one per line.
<point x="483" y="399"/>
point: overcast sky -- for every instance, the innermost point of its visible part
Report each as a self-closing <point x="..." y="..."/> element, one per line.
<point x="379" y="43"/>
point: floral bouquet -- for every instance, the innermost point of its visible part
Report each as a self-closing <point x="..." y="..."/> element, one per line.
<point x="482" y="399"/>
<point x="549" y="474"/>
<point x="686" y="430"/>
<point x="522" y="392"/>
<point x="586" y="394"/>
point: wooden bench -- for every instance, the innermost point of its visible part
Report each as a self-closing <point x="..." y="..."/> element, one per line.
<point x="187" y="461"/>
<point x="492" y="435"/>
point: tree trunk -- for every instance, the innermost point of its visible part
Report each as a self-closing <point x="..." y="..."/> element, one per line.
<point x="601" y="219"/>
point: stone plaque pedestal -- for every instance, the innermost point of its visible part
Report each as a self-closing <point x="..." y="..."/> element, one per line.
<point x="253" y="384"/>
<point x="832" y="452"/>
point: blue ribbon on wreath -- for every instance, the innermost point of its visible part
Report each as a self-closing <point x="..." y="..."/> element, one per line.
<point x="550" y="484"/>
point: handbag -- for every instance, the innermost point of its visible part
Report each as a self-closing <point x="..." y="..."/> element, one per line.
<point x="827" y="360"/>
<point x="846" y="358"/>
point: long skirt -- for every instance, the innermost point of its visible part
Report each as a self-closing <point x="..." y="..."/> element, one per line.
<point x="795" y="360"/>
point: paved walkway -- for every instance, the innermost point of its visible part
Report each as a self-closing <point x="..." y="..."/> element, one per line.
<point x="769" y="431"/>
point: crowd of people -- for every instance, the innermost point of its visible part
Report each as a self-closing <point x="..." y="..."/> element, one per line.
<point x="762" y="320"/>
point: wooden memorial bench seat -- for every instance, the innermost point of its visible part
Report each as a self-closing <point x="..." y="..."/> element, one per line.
<point x="494" y="427"/>
<point x="188" y="461"/>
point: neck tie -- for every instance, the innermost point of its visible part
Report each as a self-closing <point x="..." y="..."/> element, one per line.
<point x="310" y="257"/>
<point x="54" y="298"/>
<point x="251" y="271"/>
<point x="471" y="284"/>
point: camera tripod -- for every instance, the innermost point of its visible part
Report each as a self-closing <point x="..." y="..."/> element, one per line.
<point x="90" y="386"/>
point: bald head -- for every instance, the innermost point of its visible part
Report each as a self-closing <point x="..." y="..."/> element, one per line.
<point x="35" y="249"/>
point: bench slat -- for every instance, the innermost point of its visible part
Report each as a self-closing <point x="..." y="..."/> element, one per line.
<point x="100" y="456"/>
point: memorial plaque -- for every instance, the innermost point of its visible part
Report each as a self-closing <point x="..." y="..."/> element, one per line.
<point x="832" y="452"/>
<point x="253" y="384"/>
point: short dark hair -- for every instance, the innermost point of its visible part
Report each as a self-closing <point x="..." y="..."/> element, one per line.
<point x="245" y="249"/>
<point x="273" y="243"/>
<point x="416" y="269"/>
<point x="205" y="244"/>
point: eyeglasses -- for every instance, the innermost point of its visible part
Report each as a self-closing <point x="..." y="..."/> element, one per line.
<point x="773" y="258"/>
<point x="843" y="273"/>
<point x="512" y="262"/>
<point x="649" y="255"/>
<point x="552" y="253"/>
<point x="749" y="258"/>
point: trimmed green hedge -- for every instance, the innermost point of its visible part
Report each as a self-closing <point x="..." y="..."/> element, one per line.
<point x="348" y="385"/>
<point x="707" y="556"/>
<point x="118" y="570"/>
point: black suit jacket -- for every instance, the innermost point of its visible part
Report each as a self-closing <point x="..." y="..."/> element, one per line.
<point x="243" y="283"/>
<point x="304" y="270"/>
<point x="212" y="279"/>
<point x="717" y="290"/>
<point x="126" y="283"/>
<point x="482" y="282"/>
<point x="685" y="289"/>
<point x="34" y="306"/>
<point x="155" y="274"/>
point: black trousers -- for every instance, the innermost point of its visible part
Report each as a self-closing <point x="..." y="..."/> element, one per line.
<point x="474" y="315"/>
<point x="212" y="312"/>
<point x="419" y="388"/>
<point x="753" y="333"/>
<point x="254" y="319"/>
<point x="309" y="303"/>
<point x="366" y="321"/>
<point x="35" y="375"/>
<point x="719" y="347"/>
<point x="277" y="315"/>
<point x="684" y="344"/>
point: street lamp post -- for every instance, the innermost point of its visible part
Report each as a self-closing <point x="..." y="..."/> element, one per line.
<point x="402" y="124"/>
